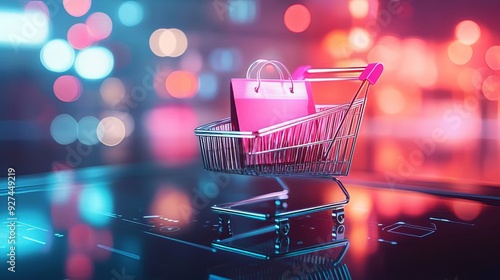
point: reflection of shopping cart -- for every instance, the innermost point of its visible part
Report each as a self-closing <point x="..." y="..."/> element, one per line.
<point x="317" y="145"/>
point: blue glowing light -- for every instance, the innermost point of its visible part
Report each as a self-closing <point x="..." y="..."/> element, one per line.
<point x="242" y="11"/>
<point x="64" y="129"/>
<point x="130" y="13"/>
<point x="95" y="204"/>
<point x="208" y="85"/>
<point x="94" y="63"/>
<point x="225" y="60"/>
<point x="57" y="55"/>
<point x="87" y="130"/>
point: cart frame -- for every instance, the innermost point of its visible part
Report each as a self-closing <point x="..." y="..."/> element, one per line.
<point x="290" y="148"/>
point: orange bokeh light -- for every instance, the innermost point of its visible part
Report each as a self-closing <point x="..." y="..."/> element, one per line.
<point x="491" y="87"/>
<point x="358" y="8"/>
<point x="169" y="202"/>
<point x="336" y="43"/>
<point x="466" y="210"/>
<point x="459" y="53"/>
<point x="297" y="18"/>
<point x="467" y="32"/>
<point x="492" y="57"/>
<point x="182" y="84"/>
<point x="390" y="100"/>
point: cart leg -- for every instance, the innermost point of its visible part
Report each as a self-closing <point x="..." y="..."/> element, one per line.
<point x="225" y="230"/>
<point x="282" y="244"/>
<point x="282" y="226"/>
<point x="338" y="215"/>
<point x="338" y="232"/>
<point x="344" y="190"/>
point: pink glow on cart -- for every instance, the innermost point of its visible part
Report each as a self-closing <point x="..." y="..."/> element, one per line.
<point x="77" y="8"/>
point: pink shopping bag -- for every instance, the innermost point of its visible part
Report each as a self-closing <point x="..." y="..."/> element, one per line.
<point x="259" y="103"/>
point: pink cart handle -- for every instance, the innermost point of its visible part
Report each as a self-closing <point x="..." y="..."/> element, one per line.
<point x="372" y="72"/>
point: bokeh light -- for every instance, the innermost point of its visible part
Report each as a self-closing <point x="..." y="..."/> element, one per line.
<point x="466" y="210"/>
<point x="459" y="53"/>
<point x="130" y="13"/>
<point x="168" y="42"/>
<point x="492" y="57"/>
<point x="57" y="55"/>
<point x="387" y="51"/>
<point x="360" y="39"/>
<point x="225" y="59"/>
<point x="192" y="61"/>
<point x="172" y="203"/>
<point x="112" y="91"/>
<point x="126" y="118"/>
<point x="467" y="32"/>
<point x="67" y="88"/>
<point x="181" y="84"/>
<point x="358" y="8"/>
<point x="36" y="6"/>
<point x="491" y="87"/>
<point x="79" y="37"/>
<point x="170" y="129"/>
<point x="208" y="85"/>
<point x="469" y="79"/>
<point x="64" y="129"/>
<point x="297" y="18"/>
<point x="77" y="8"/>
<point x="336" y="43"/>
<point x="94" y="201"/>
<point x="111" y="131"/>
<point x="87" y="130"/>
<point x="94" y="63"/>
<point x="79" y="266"/>
<point x="99" y="26"/>
<point x="390" y="100"/>
<point x="242" y="11"/>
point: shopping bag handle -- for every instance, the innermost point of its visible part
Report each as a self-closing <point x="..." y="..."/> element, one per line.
<point x="276" y="64"/>
<point x="258" y="62"/>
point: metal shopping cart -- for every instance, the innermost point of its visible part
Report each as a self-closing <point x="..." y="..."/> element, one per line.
<point x="318" y="145"/>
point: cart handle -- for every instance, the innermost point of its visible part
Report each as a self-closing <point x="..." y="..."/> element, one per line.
<point x="370" y="73"/>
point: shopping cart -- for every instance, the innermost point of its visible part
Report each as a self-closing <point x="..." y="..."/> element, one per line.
<point x="318" y="145"/>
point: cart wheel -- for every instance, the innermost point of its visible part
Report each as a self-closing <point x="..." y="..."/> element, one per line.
<point x="281" y="244"/>
<point x="225" y="227"/>
<point x="282" y="227"/>
<point x="338" y="232"/>
<point x="338" y="215"/>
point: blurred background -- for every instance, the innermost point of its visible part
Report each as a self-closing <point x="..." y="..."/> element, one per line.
<point x="89" y="83"/>
<point x="112" y="89"/>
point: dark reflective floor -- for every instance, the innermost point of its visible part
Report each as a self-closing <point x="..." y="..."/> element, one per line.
<point x="146" y="222"/>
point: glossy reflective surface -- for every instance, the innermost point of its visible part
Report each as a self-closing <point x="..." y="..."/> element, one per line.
<point x="148" y="222"/>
